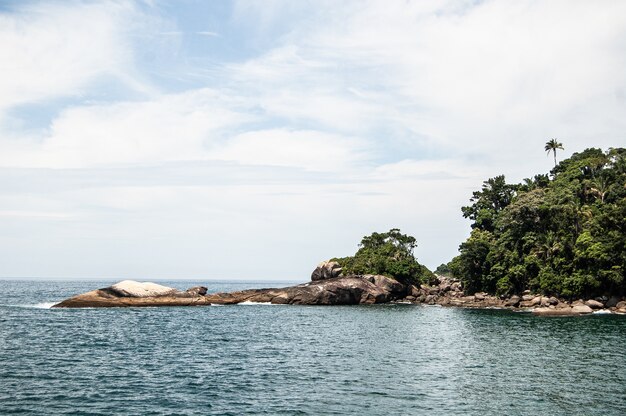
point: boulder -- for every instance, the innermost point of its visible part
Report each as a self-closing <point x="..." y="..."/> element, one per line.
<point x="131" y="288"/>
<point x="531" y="303"/>
<point x="430" y="299"/>
<point x="581" y="309"/>
<point x="612" y="302"/>
<point x="443" y="288"/>
<point x="594" y="304"/>
<point x="553" y="301"/>
<point x="564" y="311"/>
<point x="197" y="290"/>
<point x="414" y="291"/>
<point x="553" y="312"/>
<point x="326" y="270"/>
<point x="527" y="297"/>
<point x="513" y="301"/>
<point x="479" y="296"/>
<point x="429" y="290"/>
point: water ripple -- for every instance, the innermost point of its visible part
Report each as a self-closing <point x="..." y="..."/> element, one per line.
<point x="374" y="360"/>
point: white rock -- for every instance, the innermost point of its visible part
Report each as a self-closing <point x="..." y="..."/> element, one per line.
<point x="141" y="289"/>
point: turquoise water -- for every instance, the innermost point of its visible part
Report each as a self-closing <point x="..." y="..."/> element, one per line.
<point x="299" y="360"/>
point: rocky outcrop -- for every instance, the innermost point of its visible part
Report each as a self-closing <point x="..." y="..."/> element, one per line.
<point x="328" y="287"/>
<point x="347" y="290"/>
<point x="131" y="293"/>
<point x="326" y="270"/>
<point x="449" y="292"/>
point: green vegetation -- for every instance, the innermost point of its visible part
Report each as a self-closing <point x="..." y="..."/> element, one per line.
<point x="389" y="254"/>
<point x="563" y="234"/>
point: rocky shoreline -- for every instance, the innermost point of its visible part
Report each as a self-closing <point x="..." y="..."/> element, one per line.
<point x="329" y="287"/>
<point x="449" y="292"/>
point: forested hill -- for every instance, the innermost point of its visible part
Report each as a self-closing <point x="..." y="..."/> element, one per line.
<point x="561" y="234"/>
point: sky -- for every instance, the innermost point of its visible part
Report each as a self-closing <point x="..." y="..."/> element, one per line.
<point x="254" y="139"/>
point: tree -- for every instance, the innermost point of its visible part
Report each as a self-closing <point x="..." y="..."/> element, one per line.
<point x="563" y="235"/>
<point x="389" y="254"/>
<point x="551" y="146"/>
<point x="494" y="196"/>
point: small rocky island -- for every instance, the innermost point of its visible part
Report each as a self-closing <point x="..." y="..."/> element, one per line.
<point x="328" y="286"/>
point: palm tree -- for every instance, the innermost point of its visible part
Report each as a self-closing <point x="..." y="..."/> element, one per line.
<point x="551" y="146"/>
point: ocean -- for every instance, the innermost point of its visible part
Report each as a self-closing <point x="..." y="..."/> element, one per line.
<point x="300" y="360"/>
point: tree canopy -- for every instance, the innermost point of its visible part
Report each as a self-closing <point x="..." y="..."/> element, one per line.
<point x="389" y="254"/>
<point x="560" y="235"/>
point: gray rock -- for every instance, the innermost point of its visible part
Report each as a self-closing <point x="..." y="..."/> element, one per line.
<point x="612" y="302"/>
<point x="326" y="270"/>
<point x="581" y="309"/>
<point x="513" y="301"/>
<point x="197" y="290"/>
<point x="564" y="311"/>
<point x="594" y="304"/>
<point x="414" y="291"/>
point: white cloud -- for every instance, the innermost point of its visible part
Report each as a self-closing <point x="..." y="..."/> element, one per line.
<point x="464" y="78"/>
<point x="207" y="33"/>
<point x="361" y="116"/>
<point x="51" y="50"/>
<point x="168" y="128"/>
<point x="309" y="150"/>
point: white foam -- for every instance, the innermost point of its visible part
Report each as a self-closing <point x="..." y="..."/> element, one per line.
<point x="602" y="312"/>
<point x="254" y="303"/>
<point x="42" y="305"/>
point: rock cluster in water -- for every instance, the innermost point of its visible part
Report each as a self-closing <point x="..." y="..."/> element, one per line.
<point x="329" y="287"/>
<point x="449" y="292"/>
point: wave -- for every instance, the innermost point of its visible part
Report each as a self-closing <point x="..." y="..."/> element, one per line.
<point x="254" y="303"/>
<point x="602" y="312"/>
<point x="42" y="305"/>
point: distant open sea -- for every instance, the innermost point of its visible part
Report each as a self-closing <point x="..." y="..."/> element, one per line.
<point x="300" y="360"/>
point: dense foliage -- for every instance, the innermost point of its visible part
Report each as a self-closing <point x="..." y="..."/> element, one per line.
<point x="389" y="254"/>
<point x="563" y="234"/>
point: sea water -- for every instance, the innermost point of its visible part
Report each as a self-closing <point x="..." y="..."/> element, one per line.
<point x="300" y="360"/>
